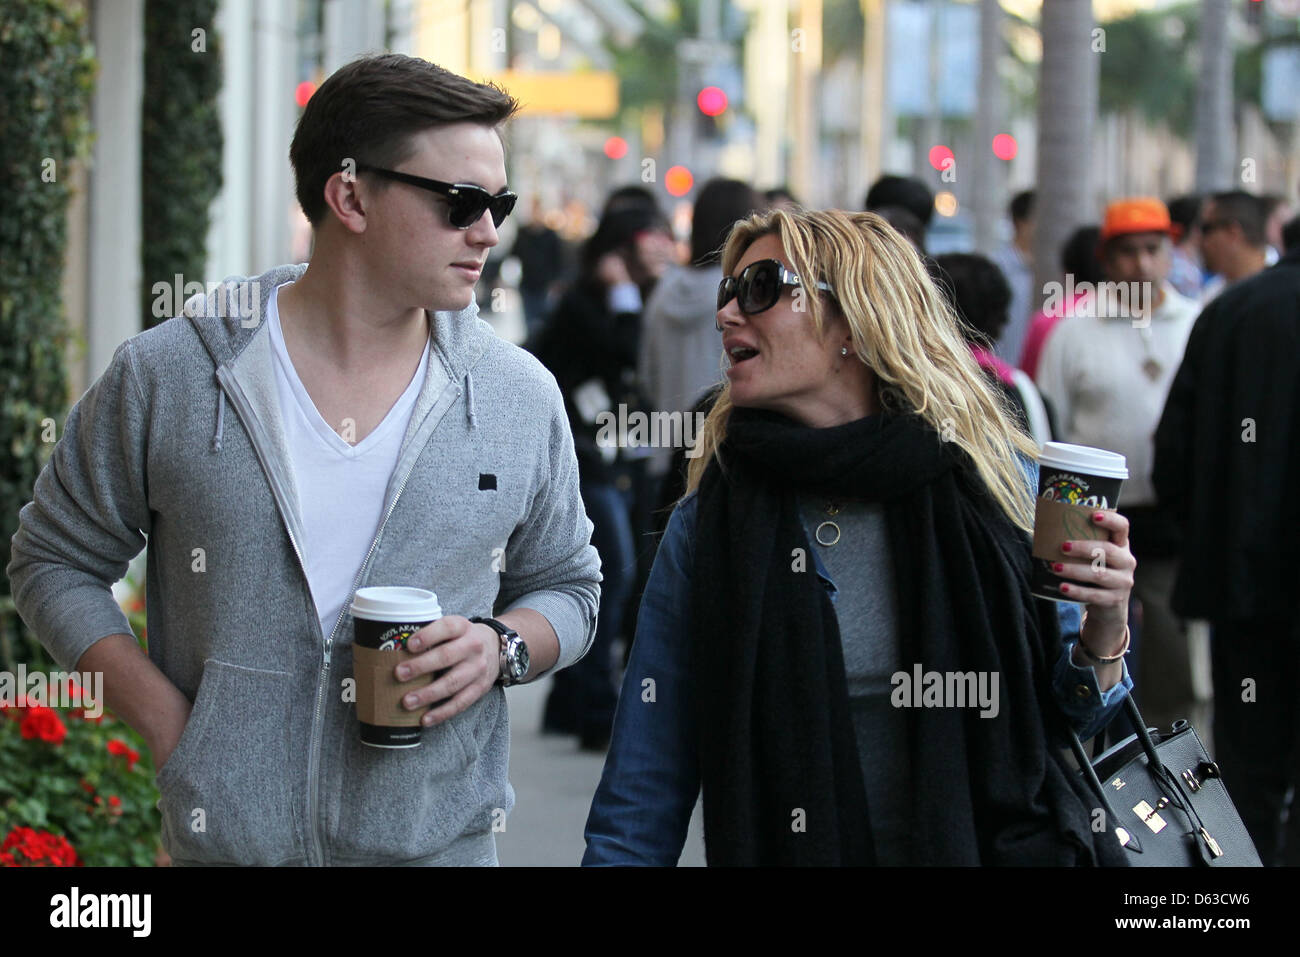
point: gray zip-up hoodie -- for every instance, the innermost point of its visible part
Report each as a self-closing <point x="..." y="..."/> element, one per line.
<point x="181" y="440"/>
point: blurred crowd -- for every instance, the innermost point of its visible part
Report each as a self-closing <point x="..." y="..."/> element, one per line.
<point x="625" y="320"/>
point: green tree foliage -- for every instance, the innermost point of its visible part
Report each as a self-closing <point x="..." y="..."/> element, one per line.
<point x="1149" y="67"/>
<point x="181" y="142"/>
<point x="47" y="73"/>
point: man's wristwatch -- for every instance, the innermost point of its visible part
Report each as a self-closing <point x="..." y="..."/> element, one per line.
<point x="514" y="653"/>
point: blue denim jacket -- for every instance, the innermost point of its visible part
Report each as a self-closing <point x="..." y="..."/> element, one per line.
<point x="642" y="809"/>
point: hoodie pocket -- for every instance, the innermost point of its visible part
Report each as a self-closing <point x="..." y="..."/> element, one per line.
<point x="402" y="804"/>
<point x="223" y="792"/>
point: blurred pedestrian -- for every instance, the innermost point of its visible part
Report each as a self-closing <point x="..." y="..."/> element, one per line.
<point x="907" y="223"/>
<point x="854" y="417"/>
<point x="1185" y="257"/>
<point x="632" y="196"/>
<point x="1277" y="211"/>
<point x="980" y="295"/>
<point x="905" y="191"/>
<point x="1291" y="235"/>
<point x="780" y="197"/>
<point x="1228" y="463"/>
<point x="681" y="351"/>
<point x="590" y="344"/>
<point x="1107" y="372"/>
<point x="540" y="252"/>
<point x="1082" y="276"/>
<point x="1016" y="260"/>
<point x="1233" y="243"/>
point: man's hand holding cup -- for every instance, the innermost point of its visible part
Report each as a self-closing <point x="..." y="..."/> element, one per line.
<point x="465" y="659"/>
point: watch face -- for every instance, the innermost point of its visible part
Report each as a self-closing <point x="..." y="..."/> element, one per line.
<point x="520" y="658"/>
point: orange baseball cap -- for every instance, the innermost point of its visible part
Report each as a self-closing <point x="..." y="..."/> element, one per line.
<point x="1141" y="215"/>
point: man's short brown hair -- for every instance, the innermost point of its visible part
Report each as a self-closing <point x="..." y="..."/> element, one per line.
<point x="369" y="110"/>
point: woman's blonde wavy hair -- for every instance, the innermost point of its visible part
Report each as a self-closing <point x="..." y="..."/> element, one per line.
<point x="904" y="329"/>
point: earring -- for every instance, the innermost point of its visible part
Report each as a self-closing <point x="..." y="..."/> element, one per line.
<point x="844" y="350"/>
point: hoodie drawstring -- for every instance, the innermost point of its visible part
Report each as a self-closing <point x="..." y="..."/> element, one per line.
<point x="221" y="417"/>
<point x="469" y="398"/>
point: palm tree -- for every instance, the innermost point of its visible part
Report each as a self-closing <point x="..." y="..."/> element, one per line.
<point x="1067" y="109"/>
<point x="1215" y="143"/>
<point x="988" y="116"/>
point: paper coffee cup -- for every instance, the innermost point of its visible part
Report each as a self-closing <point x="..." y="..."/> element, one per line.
<point x="1074" y="481"/>
<point x="385" y="618"/>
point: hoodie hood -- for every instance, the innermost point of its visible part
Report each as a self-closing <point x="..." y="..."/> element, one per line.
<point x="229" y="317"/>
<point x="685" y="296"/>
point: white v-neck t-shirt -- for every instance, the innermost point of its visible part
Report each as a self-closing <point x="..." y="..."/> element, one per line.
<point x="340" y="486"/>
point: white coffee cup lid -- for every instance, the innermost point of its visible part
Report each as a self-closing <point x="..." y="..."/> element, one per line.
<point x="395" y="603"/>
<point x="1084" y="458"/>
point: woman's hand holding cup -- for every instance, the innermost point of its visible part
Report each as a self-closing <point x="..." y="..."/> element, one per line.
<point x="1099" y="573"/>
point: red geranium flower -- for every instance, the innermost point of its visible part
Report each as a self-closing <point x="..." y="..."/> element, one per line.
<point x="24" y="847"/>
<point x="43" y="723"/>
<point x="117" y="746"/>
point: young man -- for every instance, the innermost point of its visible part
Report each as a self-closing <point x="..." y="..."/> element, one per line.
<point x="1107" y="371"/>
<point x="297" y="436"/>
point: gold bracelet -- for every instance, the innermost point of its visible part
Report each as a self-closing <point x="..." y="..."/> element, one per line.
<point x="1098" y="659"/>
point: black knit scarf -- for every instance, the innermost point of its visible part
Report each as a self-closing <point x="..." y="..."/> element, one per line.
<point x="781" y="775"/>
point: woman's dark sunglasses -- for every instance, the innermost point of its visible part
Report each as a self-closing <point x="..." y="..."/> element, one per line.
<point x="759" y="286"/>
<point x="465" y="201"/>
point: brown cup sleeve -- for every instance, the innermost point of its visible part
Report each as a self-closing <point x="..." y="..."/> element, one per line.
<point x="1057" y="522"/>
<point x="379" y="693"/>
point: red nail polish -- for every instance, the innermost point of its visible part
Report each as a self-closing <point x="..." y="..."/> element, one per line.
<point x="1058" y="567"/>
<point x="1066" y="546"/>
<point x="1065" y="588"/>
<point x="1097" y="517"/>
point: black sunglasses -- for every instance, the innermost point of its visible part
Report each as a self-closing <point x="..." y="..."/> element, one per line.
<point x="759" y="287"/>
<point x="465" y="201"/>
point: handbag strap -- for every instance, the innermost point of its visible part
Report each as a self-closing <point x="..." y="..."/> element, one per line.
<point x="1090" y="775"/>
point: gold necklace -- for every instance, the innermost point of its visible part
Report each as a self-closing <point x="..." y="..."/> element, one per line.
<point x="829" y="527"/>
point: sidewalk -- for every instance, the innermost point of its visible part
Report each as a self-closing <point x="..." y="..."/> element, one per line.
<point x="554" y="783"/>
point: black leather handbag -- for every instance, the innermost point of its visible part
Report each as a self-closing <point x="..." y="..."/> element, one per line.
<point x="1165" y="800"/>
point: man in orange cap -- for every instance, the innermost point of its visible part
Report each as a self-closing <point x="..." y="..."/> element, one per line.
<point x="1107" y="370"/>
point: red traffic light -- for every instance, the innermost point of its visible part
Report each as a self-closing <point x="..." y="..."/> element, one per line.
<point x="615" y="147"/>
<point x="712" y="101"/>
<point x="941" y="157"/>
<point x="302" y="93"/>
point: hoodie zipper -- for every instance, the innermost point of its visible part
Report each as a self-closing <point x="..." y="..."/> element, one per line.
<point x="318" y="727"/>
<point x="318" y="855"/>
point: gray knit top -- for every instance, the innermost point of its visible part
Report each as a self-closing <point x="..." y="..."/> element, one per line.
<point x="861" y="566"/>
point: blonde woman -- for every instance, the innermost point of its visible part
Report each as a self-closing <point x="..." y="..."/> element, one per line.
<point x="837" y="641"/>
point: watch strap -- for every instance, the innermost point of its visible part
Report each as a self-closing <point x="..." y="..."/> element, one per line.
<point x="504" y="634"/>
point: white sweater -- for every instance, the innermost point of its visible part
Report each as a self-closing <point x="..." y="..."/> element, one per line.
<point x="1108" y="379"/>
